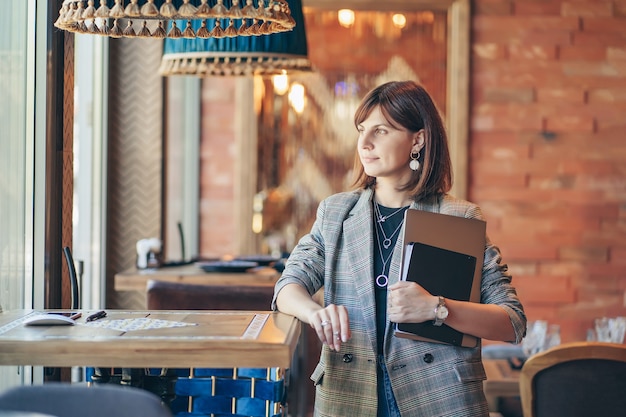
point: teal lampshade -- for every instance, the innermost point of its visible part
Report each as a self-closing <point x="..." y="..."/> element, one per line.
<point x="242" y="55"/>
<point x="175" y="18"/>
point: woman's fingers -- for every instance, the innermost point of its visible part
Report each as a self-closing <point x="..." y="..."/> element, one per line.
<point x="332" y="325"/>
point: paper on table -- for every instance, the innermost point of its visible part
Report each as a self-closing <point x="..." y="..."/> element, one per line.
<point x="142" y="323"/>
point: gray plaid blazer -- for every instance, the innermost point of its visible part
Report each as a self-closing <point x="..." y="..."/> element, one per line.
<point x="428" y="379"/>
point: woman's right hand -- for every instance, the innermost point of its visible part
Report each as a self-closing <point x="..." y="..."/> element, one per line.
<point x="331" y="324"/>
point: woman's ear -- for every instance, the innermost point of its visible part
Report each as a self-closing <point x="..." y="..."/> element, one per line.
<point x="419" y="140"/>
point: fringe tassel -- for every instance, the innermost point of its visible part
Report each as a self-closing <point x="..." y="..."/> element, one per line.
<point x="236" y="65"/>
<point x="269" y="16"/>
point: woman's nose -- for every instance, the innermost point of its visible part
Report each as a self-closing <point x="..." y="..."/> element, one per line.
<point x="365" y="140"/>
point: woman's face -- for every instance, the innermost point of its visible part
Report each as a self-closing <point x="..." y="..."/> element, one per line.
<point x="385" y="150"/>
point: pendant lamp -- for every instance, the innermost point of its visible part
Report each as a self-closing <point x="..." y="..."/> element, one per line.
<point x="175" y="18"/>
<point x="250" y="55"/>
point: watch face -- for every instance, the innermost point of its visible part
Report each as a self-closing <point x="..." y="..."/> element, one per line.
<point x="442" y="313"/>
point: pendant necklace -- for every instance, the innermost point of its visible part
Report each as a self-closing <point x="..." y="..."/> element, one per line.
<point x="381" y="218"/>
<point x="383" y="279"/>
<point x="387" y="240"/>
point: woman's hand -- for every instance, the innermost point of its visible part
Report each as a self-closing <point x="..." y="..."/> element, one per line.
<point x="409" y="302"/>
<point x="331" y="324"/>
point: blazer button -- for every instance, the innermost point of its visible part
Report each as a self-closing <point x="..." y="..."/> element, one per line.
<point x="347" y="358"/>
<point x="428" y="358"/>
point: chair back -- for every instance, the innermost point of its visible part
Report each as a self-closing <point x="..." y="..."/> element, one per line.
<point x="69" y="259"/>
<point x="575" y="379"/>
<point x="63" y="399"/>
<point x="163" y="295"/>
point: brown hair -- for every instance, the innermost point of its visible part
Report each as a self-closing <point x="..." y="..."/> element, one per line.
<point x="409" y="105"/>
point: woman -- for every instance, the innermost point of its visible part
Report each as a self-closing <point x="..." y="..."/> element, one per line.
<point x="353" y="252"/>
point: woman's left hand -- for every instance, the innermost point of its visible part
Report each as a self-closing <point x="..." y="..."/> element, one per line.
<point x="408" y="302"/>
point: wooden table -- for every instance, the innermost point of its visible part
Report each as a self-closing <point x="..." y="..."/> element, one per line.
<point x="136" y="280"/>
<point x="502" y="381"/>
<point x="212" y="339"/>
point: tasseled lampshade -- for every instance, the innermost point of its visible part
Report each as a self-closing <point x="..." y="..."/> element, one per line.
<point x="251" y="55"/>
<point x="166" y="18"/>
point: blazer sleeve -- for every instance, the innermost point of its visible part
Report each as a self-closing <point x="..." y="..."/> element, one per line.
<point x="305" y="265"/>
<point x="496" y="284"/>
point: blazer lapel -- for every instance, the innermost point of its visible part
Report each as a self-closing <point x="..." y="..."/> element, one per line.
<point x="359" y="240"/>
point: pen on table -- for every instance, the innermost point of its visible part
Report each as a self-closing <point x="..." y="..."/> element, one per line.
<point x="76" y="316"/>
<point x="95" y="316"/>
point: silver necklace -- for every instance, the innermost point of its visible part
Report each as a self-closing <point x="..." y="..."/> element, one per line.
<point x="382" y="280"/>
<point x="381" y="218"/>
<point x="387" y="240"/>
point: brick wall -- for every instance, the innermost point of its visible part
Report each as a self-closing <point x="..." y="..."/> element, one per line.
<point x="548" y="153"/>
<point x="217" y="168"/>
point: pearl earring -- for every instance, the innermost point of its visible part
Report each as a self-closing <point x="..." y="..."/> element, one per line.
<point x="414" y="164"/>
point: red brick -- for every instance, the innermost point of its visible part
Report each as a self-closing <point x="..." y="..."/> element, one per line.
<point x="581" y="53"/>
<point x="528" y="251"/>
<point x="489" y="51"/>
<point x="619" y="8"/>
<point x="617" y="255"/>
<point x="561" y="95"/>
<point x="540" y="225"/>
<point x="482" y="139"/>
<point x="595" y="69"/>
<point x="598" y="39"/>
<point x="584" y="254"/>
<point x="570" y="123"/>
<point x="522" y="73"/>
<point x="505" y="117"/>
<point x="556" y="239"/>
<point x="494" y="151"/>
<point x="511" y="167"/>
<point x="521" y="268"/>
<point x="590" y="210"/>
<point x="516" y="180"/>
<point x="587" y="8"/>
<point x="541" y="8"/>
<point x="604" y="24"/>
<point x="543" y="37"/>
<point x="607" y="113"/>
<point x="511" y="195"/>
<point x="614" y="53"/>
<point x="560" y="267"/>
<point x="508" y="95"/>
<point x="607" y="95"/>
<point x="492" y="7"/>
<point x="571" y="143"/>
<point x="545" y="289"/>
<point x="524" y="51"/>
<point x="607" y="279"/>
<point x="524" y="23"/>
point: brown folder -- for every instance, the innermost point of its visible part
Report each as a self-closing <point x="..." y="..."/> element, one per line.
<point x="444" y="254"/>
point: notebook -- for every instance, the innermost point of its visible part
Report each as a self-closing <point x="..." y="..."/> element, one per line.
<point x="444" y="254"/>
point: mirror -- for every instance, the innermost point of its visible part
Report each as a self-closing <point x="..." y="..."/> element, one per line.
<point x="293" y="148"/>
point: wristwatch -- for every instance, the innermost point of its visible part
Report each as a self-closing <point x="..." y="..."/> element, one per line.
<point x="441" y="312"/>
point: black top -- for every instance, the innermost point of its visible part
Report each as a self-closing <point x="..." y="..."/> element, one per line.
<point x="389" y="226"/>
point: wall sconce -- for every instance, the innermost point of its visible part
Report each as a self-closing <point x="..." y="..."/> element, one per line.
<point x="281" y="83"/>
<point x="250" y="55"/>
<point x="161" y="18"/>
<point x="399" y="20"/>
<point x="345" y="17"/>
<point x="297" y="99"/>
